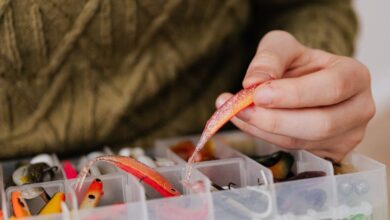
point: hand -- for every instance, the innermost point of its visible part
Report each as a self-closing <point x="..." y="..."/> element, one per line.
<point x="310" y="99"/>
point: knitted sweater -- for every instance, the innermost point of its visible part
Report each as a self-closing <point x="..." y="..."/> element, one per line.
<point x="76" y="75"/>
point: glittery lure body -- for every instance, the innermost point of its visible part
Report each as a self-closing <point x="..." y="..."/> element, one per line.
<point x="137" y="169"/>
<point x="224" y="113"/>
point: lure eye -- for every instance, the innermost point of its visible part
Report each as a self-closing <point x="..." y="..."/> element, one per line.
<point x="173" y="190"/>
<point x="91" y="196"/>
<point x="20" y="202"/>
<point x="98" y="180"/>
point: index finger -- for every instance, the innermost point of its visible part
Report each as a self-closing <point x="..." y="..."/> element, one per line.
<point x="275" y="53"/>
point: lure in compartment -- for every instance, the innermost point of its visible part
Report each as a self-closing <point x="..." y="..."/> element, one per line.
<point x="19" y="205"/>
<point x="54" y="205"/>
<point x="69" y="170"/>
<point x="136" y="168"/>
<point x="139" y="154"/>
<point x="34" y="173"/>
<point x="93" y="195"/>
<point x="185" y="149"/>
<point x="280" y="163"/>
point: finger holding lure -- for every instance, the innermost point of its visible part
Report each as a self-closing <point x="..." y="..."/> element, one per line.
<point x="134" y="167"/>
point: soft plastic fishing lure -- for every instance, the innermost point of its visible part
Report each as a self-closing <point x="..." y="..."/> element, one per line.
<point x="54" y="205"/>
<point x="224" y="113"/>
<point x="138" y="169"/>
<point x="19" y="205"/>
<point x="69" y="170"/>
<point x="93" y="195"/>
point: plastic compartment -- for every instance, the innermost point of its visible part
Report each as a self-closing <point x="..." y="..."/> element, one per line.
<point x="257" y="174"/>
<point x="99" y="168"/>
<point x="175" y="175"/>
<point x="255" y="202"/>
<point x="51" y="188"/>
<point x="360" y="195"/>
<point x="192" y="206"/>
<point x="119" y="189"/>
<point x="363" y="192"/>
<point x="304" y="161"/>
<point x="10" y="166"/>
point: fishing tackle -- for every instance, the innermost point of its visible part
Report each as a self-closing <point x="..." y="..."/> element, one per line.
<point x="43" y="158"/>
<point x="224" y="113"/>
<point x="280" y="163"/>
<point x="93" y="195"/>
<point x="344" y="167"/>
<point x="35" y="192"/>
<point x="136" y="152"/>
<point x="147" y="161"/>
<point x="164" y="162"/>
<point x="186" y="148"/>
<point x="138" y="169"/>
<point x="54" y="205"/>
<point x="221" y="188"/>
<point x="126" y="152"/>
<point x="217" y="187"/>
<point x="69" y="170"/>
<point x="307" y="175"/>
<point x="33" y="173"/>
<point x="19" y="205"/>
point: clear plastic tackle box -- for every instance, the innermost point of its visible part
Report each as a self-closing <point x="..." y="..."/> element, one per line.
<point x="352" y="196"/>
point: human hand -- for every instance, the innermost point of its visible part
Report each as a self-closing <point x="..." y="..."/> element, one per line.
<point x="310" y="99"/>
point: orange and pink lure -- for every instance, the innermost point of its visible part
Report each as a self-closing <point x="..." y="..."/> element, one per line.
<point x="138" y="169"/>
<point x="92" y="195"/>
<point x="224" y="113"/>
<point x="19" y="205"/>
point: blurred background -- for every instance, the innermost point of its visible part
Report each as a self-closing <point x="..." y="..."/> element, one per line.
<point x="373" y="49"/>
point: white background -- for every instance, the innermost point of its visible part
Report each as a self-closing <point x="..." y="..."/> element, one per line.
<point x="373" y="49"/>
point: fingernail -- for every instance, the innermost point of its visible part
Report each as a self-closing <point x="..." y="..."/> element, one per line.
<point x="256" y="78"/>
<point x="264" y="96"/>
<point x="220" y="101"/>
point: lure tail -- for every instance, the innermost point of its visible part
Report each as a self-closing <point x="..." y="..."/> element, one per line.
<point x="224" y="113"/>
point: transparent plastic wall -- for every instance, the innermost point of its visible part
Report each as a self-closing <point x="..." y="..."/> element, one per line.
<point x="252" y="192"/>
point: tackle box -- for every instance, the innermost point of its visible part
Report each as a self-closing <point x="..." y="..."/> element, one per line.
<point x="252" y="192"/>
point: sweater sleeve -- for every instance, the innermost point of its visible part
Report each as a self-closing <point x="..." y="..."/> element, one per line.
<point x="328" y="25"/>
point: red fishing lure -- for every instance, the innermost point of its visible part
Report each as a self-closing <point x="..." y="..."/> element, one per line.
<point x="138" y="169"/>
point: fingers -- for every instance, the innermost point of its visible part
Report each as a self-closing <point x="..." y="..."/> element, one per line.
<point x="276" y="51"/>
<point x="326" y="144"/>
<point x="337" y="147"/>
<point x="279" y="140"/>
<point x="326" y="87"/>
<point x="312" y="123"/>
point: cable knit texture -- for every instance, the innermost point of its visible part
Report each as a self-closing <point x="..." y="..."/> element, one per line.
<point x="75" y="75"/>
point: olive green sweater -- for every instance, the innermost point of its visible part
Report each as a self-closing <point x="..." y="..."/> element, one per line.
<point x="75" y="75"/>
